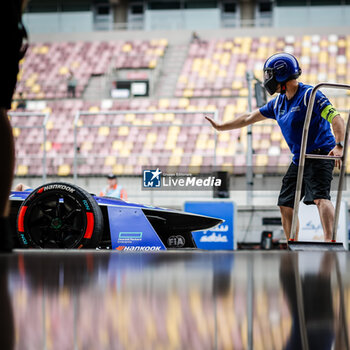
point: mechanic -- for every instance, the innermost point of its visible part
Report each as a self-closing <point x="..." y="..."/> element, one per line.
<point x="14" y="45"/>
<point x="113" y="189"/>
<point x="281" y="71"/>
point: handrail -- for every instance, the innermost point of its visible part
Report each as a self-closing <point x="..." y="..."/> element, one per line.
<point x="303" y="156"/>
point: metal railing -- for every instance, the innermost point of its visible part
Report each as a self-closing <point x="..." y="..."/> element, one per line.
<point x="43" y="125"/>
<point x="137" y="112"/>
<point x="303" y="156"/>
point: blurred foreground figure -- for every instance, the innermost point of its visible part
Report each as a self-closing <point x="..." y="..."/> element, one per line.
<point x="13" y="47"/>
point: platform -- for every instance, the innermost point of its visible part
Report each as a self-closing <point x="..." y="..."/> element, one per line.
<point x="174" y="300"/>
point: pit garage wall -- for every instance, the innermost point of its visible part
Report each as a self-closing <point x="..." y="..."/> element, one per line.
<point x="311" y="16"/>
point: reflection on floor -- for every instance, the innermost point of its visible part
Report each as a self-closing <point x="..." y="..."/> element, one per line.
<point x="175" y="300"/>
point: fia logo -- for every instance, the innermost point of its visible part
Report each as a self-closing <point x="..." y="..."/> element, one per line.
<point x="151" y="178"/>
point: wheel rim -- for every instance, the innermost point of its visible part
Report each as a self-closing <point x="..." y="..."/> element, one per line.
<point x="55" y="220"/>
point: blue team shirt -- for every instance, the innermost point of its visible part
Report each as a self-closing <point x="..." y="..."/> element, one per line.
<point x="290" y="116"/>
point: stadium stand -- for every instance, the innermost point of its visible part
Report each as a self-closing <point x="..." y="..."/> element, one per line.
<point x="212" y="78"/>
<point x="218" y="67"/>
<point x="47" y="65"/>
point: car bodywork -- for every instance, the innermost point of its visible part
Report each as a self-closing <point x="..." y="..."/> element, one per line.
<point x="126" y="226"/>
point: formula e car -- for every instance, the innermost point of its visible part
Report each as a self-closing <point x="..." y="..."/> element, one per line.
<point x="62" y="215"/>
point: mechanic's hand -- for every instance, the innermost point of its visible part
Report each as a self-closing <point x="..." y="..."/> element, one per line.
<point x="337" y="151"/>
<point x="214" y="124"/>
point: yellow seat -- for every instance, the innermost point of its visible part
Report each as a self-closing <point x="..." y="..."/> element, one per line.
<point x="127" y="48"/>
<point x="188" y="93"/>
<point x="86" y="146"/>
<point x="243" y="92"/>
<point x="103" y="130"/>
<point x="201" y="143"/>
<point x="29" y="83"/>
<point x="64" y="170"/>
<point x="228" y="45"/>
<point x="152" y="64"/>
<point x="196" y="160"/>
<point x="129" y="117"/>
<point x="283" y="144"/>
<point x="217" y="56"/>
<point x="191" y="108"/>
<point x="226" y="92"/>
<point x="143" y="161"/>
<point x="183" y="102"/>
<point x="265" y="144"/>
<point x="14" y="104"/>
<point x="222" y="151"/>
<point x="163" y="42"/>
<point x="48" y="146"/>
<point x="159" y="51"/>
<point x="47" y="110"/>
<point x="163" y="103"/>
<point x="178" y="151"/>
<point x="16" y="132"/>
<point x="210" y="144"/>
<point x="158" y="117"/>
<point x="241" y="69"/>
<point x="242" y="105"/>
<point x="124" y="152"/>
<point x="63" y="70"/>
<point x="237" y="84"/>
<point x="267" y="129"/>
<point x="151" y="137"/>
<point x="128" y="170"/>
<point x="173" y="130"/>
<point x="276" y="136"/>
<point x="110" y="161"/>
<point x="123" y="131"/>
<point x="256" y="144"/>
<point x="94" y="109"/>
<point x="174" y="160"/>
<point x="170" y="144"/>
<point x="262" y="159"/>
<point x="169" y="117"/>
<point x="22" y="170"/>
<point x="118" y="169"/>
<point x="210" y="108"/>
<point x="182" y="79"/>
<point x="224" y="136"/>
<point x="75" y="64"/>
<point x="43" y="50"/>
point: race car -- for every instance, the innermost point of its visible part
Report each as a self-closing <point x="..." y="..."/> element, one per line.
<point x="62" y="215"/>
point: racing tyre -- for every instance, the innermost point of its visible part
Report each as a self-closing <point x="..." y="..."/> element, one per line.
<point x="59" y="215"/>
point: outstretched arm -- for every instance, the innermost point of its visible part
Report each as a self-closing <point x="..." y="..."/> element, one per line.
<point x="239" y="122"/>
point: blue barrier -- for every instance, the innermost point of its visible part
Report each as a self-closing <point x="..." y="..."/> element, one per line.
<point x="221" y="237"/>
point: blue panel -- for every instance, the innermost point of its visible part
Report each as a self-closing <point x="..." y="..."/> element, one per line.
<point x="220" y="237"/>
<point x="131" y="231"/>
